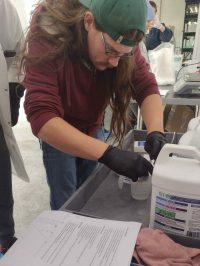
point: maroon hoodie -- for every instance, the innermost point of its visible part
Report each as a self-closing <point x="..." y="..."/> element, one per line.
<point x="68" y="89"/>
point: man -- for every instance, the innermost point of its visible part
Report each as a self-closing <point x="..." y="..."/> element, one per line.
<point x="82" y="56"/>
<point x="133" y="107"/>
<point x="156" y="32"/>
<point x="150" y="18"/>
<point x="10" y="35"/>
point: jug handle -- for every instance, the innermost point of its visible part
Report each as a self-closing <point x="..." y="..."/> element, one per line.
<point x="182" y="150"/>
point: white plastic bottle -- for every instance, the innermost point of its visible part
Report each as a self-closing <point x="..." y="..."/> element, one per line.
<point x="175" y="202"/>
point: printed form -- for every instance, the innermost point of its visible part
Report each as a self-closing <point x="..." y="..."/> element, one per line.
<point x="57" y="238"/>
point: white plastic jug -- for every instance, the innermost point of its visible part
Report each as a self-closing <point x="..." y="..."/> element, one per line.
<point x="192" y="136"/>
<point x="175" y="201"/>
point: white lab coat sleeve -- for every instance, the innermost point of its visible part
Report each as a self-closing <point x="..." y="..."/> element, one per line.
<point x="11" y="33"/>
<point x="10" y="39"/>
<point x="11" y="36"/>
<point x="5" y="121"/>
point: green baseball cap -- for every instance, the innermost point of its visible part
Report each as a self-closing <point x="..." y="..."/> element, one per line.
<point x="116" y="17"/>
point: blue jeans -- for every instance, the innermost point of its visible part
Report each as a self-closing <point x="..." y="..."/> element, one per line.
<point x="65" y="173"/>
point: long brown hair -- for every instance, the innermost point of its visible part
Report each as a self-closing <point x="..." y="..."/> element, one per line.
<point x="66" y="20"/>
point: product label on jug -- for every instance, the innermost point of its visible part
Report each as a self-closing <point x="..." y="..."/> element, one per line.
<point x="177" y="214"/>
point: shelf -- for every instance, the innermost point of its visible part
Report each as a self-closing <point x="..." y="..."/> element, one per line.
<point x="191" y="16"/>
<point x="187" y="50"/>
<point x="190" y="21"/>
<point x="192" y="2"/>
<point x="188" y="34"/>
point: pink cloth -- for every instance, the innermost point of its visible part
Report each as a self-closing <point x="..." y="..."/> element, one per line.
<point x="155" y="248"/>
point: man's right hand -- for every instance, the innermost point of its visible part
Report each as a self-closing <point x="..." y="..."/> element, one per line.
<point x="126" y="163"/>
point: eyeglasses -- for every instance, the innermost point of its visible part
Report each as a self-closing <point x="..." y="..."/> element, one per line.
<point x="113" y="53"/>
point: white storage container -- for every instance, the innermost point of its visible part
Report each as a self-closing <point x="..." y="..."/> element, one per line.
<point x="175" y="202"/>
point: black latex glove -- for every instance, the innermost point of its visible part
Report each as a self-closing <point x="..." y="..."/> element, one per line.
<point x="16" y="92"/>
<point x="154" y="143"/>
<point x="126" y="163"/>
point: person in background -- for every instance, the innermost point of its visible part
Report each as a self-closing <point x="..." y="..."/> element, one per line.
<point x="133" y="106"/>
<point x="150" y="18"/>
<point x="80" y="57"/>
<point x="10" y="38"/>
<point x="157" y="32"/>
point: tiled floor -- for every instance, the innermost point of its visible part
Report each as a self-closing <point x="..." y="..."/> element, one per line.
<point x="30" y="198"/>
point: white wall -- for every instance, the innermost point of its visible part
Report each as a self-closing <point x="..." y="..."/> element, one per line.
<point x="172" y="12"/>
<point x="24" y="8"/>
<point x="196" y="53"/>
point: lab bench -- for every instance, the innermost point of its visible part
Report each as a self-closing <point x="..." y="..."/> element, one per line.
<point x="101" y="197"/>
<point x="170" y="98"/>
